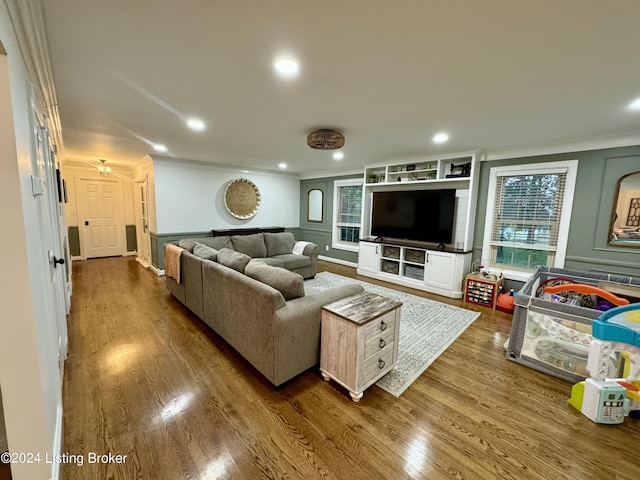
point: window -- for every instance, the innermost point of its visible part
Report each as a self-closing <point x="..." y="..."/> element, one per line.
<point x="528" y="214"/>
<point x="347" y="218"/>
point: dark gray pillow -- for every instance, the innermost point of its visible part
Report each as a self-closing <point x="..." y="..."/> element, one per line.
<point x="236" y="260"/>
<point x="278" y="243"/>
<point x="187" y="244"/>
<point x="203" y="251"/>
<point x="289" y="284"/>
<point x="218" y="243"/>
<point x="252" y="245"/>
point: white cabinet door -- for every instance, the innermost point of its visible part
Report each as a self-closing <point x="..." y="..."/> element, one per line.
<point x="369" y="257"/>
<point x="440" y="269"/>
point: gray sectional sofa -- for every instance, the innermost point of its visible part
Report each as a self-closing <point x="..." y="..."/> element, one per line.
<point x="253" y="296"/>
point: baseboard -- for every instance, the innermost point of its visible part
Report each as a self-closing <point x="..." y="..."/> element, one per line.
<point x="143" y="263"/>
<point x="130" y="254"/>
<point x="337" y="260"/>
<point x="157" y="271"/>
<point x="57" y="445"/>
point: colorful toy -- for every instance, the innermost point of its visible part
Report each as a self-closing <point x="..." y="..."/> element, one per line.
<point x="506" y="302"/>
<point x="605" y="400"/>
<point x="608" y="302"/>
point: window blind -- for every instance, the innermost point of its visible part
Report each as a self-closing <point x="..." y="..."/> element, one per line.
<point x="527" y="211"/>
<point x="350" y="207"/>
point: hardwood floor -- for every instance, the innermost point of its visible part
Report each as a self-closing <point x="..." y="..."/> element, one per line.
<point x="146" y="379"/>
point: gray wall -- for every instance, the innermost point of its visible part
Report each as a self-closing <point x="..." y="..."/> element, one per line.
<point x="320" y="233"/>
<point x="598" y="173"/>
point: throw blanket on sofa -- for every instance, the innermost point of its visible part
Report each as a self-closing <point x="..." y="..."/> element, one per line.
<point x="299" y="247"/>
<point x="172" y="261"/>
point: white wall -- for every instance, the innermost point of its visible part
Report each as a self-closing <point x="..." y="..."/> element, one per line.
<point x="29" y="375"/>
<point x="189" y="197"/>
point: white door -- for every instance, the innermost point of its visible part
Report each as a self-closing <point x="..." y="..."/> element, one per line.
<point x="50" y="212"/>
<point x="142" y="223"/>
<point x="101" y="218"/>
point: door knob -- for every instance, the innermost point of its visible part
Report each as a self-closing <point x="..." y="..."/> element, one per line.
<point x="57" y="261"/>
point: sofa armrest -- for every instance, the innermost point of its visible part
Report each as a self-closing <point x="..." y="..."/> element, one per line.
<point x="312" y="251"/>
<point x="297" y="331"/>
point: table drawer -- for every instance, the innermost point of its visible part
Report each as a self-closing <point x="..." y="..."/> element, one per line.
<point x="380" y="324"/>
<point x="378" y="363"/>
<point x="376" y="343"/>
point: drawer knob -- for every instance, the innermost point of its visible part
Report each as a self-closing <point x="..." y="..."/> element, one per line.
<point x="382" y="343"/>
<point x="381" y="364"/>
<point x="383" y="326"/>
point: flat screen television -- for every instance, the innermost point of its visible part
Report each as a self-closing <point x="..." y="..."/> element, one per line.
<point x="419" y="215"/>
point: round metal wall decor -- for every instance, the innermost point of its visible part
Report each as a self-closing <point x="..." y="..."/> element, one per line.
<point x="242" y="198"/>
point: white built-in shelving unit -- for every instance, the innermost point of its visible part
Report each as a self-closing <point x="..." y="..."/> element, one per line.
<point x="436" y="268"/>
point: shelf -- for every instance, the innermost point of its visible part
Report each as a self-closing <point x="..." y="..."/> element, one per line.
<point x="391" y="252"/>
<point x="424" y="171"/>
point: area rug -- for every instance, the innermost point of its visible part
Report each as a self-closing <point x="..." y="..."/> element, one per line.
<point x="427" y="328"/>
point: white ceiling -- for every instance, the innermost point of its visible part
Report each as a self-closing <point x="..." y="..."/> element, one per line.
<point x="495" y="74"/>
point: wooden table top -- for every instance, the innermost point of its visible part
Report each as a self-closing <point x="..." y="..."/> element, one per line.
<point x="362" y="307"/>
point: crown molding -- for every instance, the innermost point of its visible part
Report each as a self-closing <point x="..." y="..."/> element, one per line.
<point x="331" y="173"/>
<point x="238" y="169"/>
<point x="596" y="143"/>
<point x="27" y="19"/>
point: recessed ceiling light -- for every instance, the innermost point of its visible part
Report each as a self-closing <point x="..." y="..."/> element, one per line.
<point x="441" y="137"/>
<point x="286" y="67"/>
<point x="195" y="124"/>
<point x="635" y="105"/>
<point x="338" y="156"/>
<point x="159" y="147"/>
<point x="282" y="165"/>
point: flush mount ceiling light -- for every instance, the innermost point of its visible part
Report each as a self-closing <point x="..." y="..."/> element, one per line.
<point x="159" y="147"/>
<point x="325" y="139"/>
<point x="195" y="124"/>
<point x="338" y="156"/>
<point x="441" y="137"/>
<point x="635" y="105"/>
<point x="282" y="165"/>
<point x="286" y="67"/>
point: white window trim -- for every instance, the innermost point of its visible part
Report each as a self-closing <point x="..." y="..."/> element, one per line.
<point x="571" y="169"/>
<point x="335" y="242"/>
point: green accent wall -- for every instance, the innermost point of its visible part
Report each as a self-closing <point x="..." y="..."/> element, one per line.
<point x="321" y="233"/>
<point x="132" y="240"/>
<point x="74" y="241"/>
<point x="596" y="183"/>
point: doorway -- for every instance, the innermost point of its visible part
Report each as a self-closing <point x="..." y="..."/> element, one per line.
<point x="100" y="211"/>
<point x="142" y="222"/>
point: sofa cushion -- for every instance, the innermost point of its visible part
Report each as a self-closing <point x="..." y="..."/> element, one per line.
<point x="236" y="260"/>
<point x="187" y="244"/>
<point x="218" y="243"/>
<point x="278" y="243"/>
<point x="274" y="262"/>
<point x="203" y="251"/>
<point x="289" y="284"/>
<point x="293" y="261"/>
<point x="252" y="245"/>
